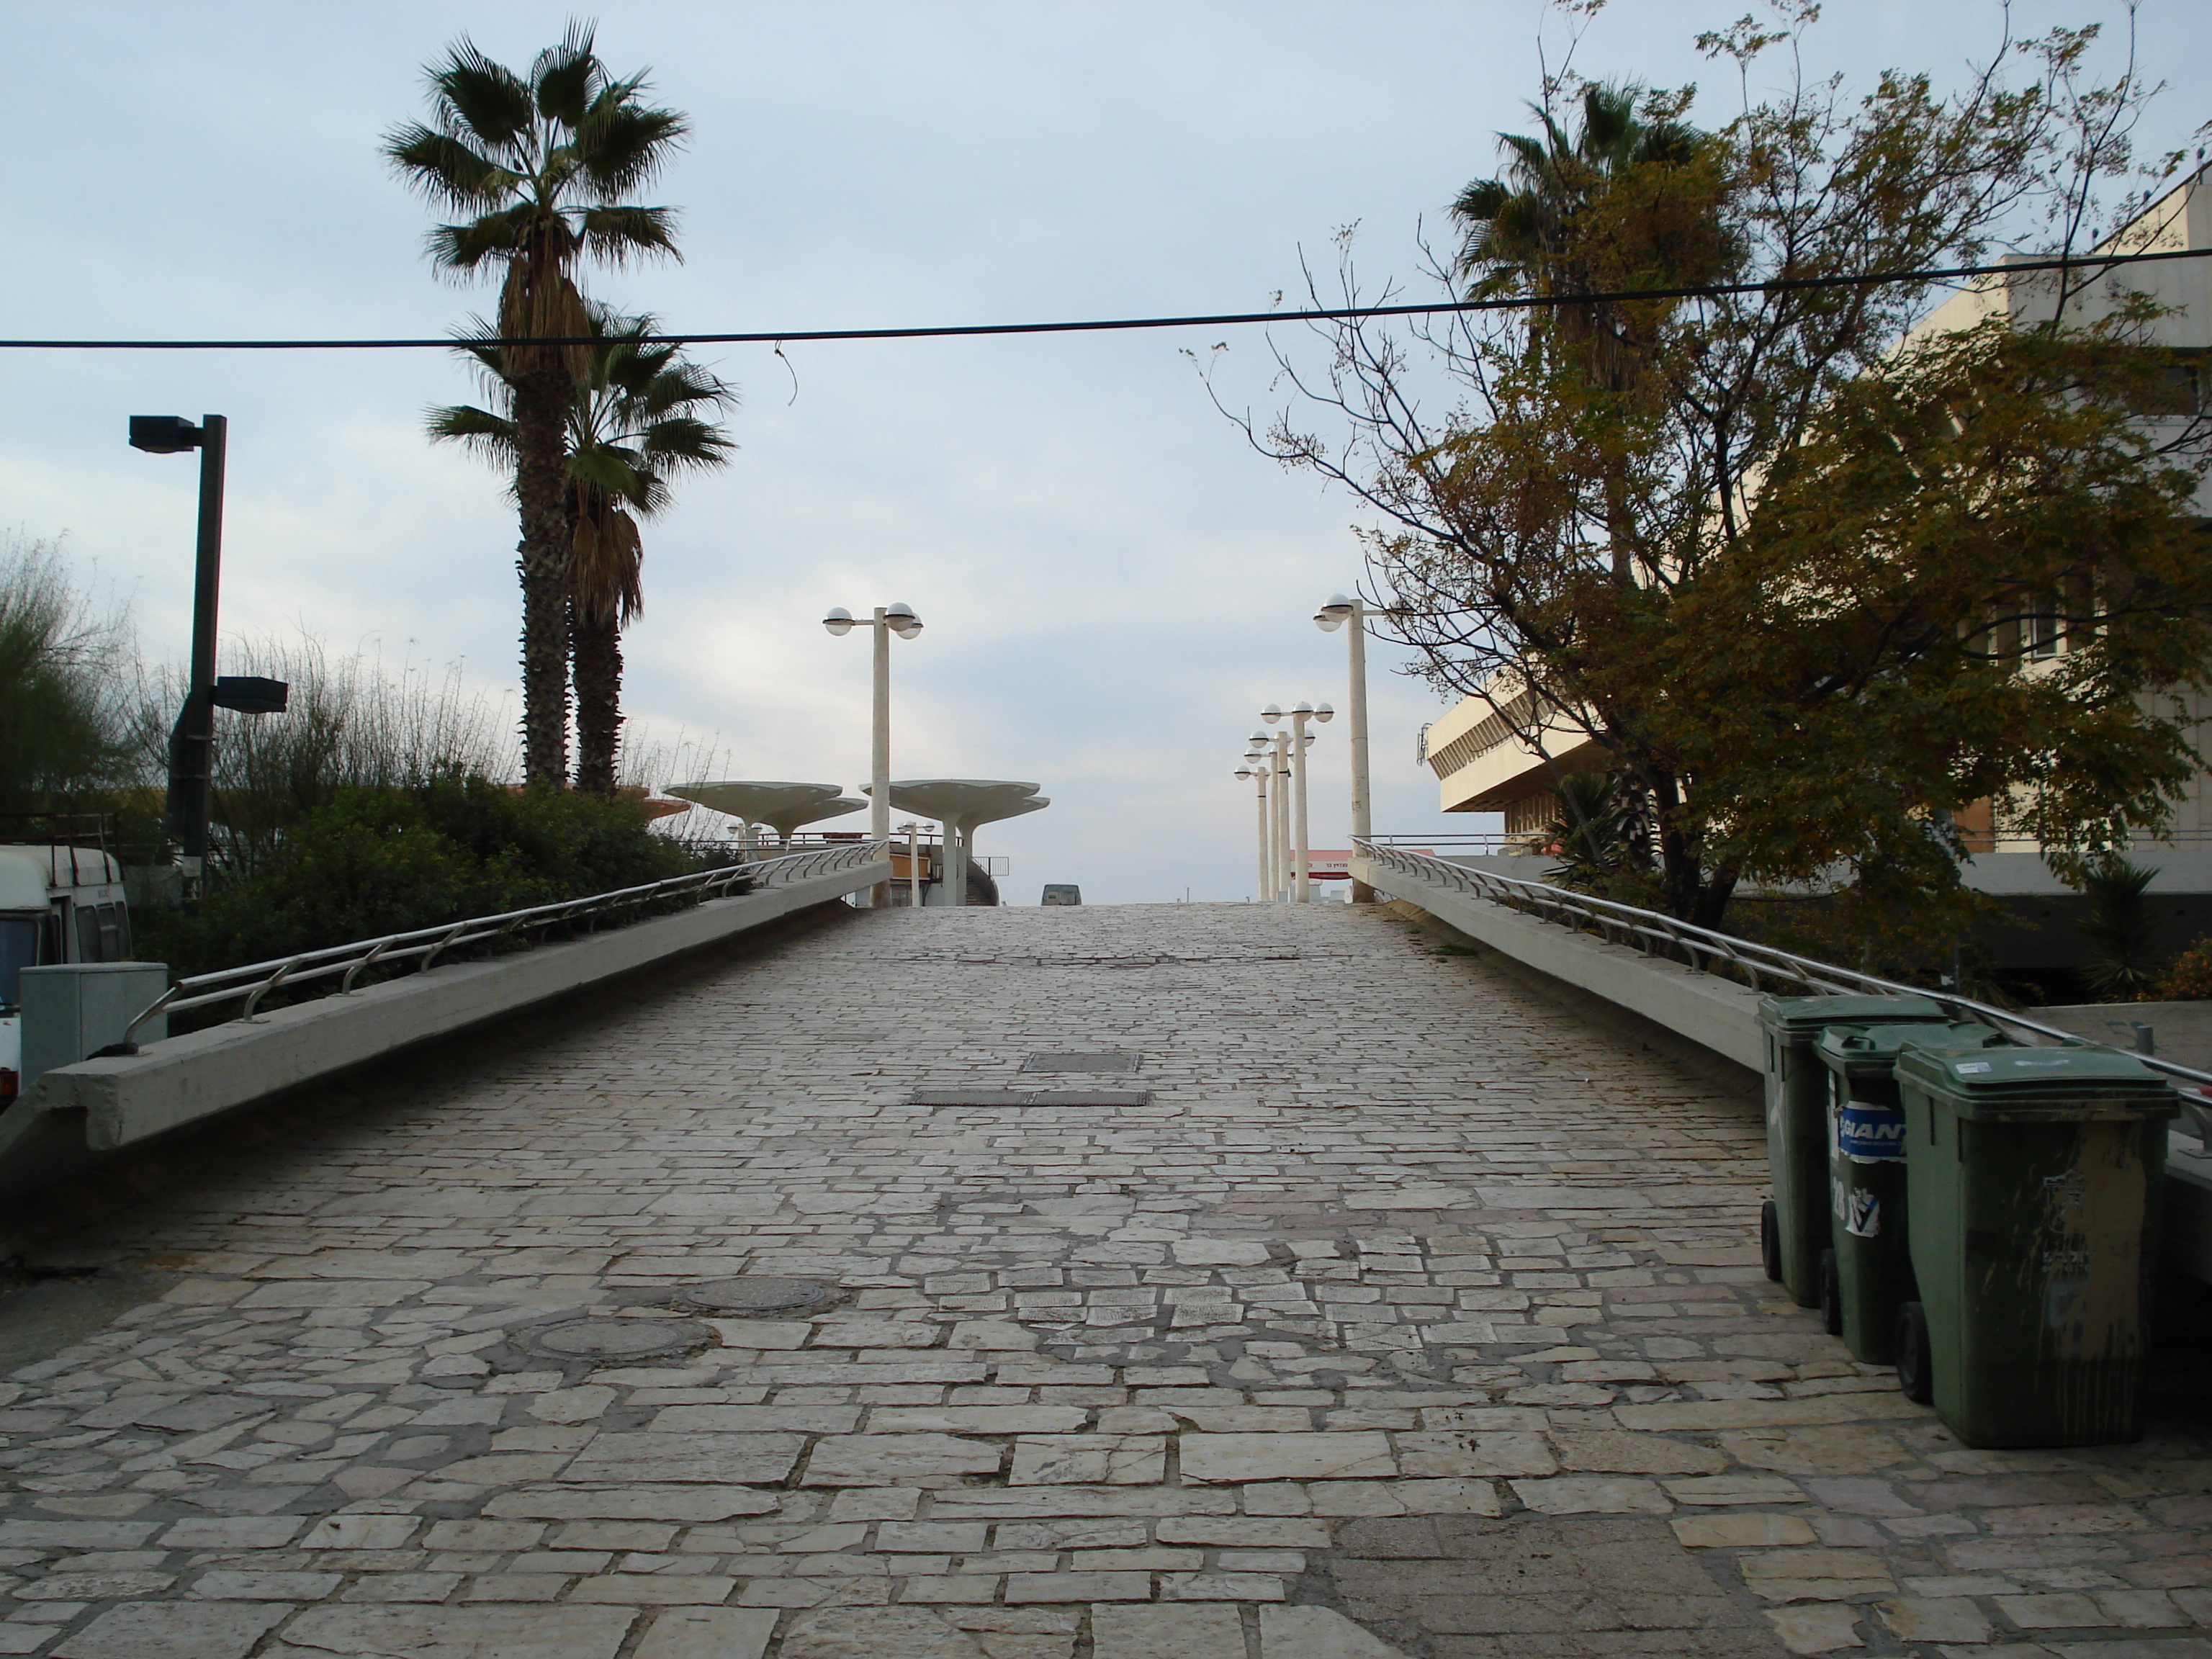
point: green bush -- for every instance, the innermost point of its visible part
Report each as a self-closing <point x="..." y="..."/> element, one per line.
<point x="377" y="861"/>
<point x="2188" y="977"/>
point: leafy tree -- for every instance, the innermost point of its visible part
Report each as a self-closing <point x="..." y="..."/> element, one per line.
<point x="1782" y="562"/>
<point x="638" y="416"/>
<point x="542" y="167"/>
<point x="64" y="663"/>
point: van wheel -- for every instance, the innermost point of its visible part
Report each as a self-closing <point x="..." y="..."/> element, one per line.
<point x="1914" y="1375"/>
<point x="1831" y="1294"/>
<point x="1770" y="1241"/>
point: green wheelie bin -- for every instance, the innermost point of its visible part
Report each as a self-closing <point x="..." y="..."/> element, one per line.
<point x="2034" y="1180"/>
<point x="1866" y="1274"/>
<point x="1793" y="1224"/>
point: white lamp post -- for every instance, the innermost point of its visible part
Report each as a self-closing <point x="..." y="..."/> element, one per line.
<point x="1299" y="870"/>
<point x="1333" y="615"/>
<point x="898" y="618"/>
<point x="1256" y="768"/>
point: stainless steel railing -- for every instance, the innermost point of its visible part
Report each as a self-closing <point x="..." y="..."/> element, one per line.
<point x="252" y="983"/>
<point x="1709" y="951"/>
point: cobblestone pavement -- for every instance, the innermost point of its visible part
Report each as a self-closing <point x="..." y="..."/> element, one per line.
<point x="1410" y="1315"/>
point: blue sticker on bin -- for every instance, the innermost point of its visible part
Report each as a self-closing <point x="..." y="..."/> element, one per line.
<point x="1870" y="1134"/>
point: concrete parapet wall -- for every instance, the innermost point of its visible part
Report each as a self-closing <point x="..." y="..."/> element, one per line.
<point x="1709" y="1011"/>
<point x="75" y="1114"/>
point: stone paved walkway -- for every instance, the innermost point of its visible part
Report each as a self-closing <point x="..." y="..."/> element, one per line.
<point x="1410" y="1315"/>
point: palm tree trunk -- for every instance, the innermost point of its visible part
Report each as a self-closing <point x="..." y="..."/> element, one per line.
<point x="540" y="442"/>
<point x="598" y="668"/>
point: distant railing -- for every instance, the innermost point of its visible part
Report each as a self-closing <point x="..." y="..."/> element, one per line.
<point x="1705" y="950"/>
<point x="1496" y="842"/>
<point x="256" y="981"/>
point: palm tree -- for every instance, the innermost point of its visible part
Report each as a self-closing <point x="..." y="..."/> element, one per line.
<point x="1521" y="231"/>
<point x="538" y="170"/>
<point x="639" y="415"/>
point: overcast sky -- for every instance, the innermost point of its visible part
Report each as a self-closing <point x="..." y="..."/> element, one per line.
<point x="1113" y="583"/>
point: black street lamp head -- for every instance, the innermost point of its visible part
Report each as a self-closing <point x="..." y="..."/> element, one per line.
<point x="164" y="434"/>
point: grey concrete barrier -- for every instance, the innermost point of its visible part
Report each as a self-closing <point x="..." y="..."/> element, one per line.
<point x="74" y="1114"/>
<point x="1717" y="1013"/>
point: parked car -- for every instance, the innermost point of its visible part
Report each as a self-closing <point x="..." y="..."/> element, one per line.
<point x="57" y="903"/>
<point x="1062" y="892"/>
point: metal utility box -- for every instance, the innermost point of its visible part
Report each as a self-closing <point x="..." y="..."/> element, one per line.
<point x="73" y="1010"/>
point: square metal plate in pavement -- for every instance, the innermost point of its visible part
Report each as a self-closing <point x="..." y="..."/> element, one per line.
<point x="1115" y="1062"/>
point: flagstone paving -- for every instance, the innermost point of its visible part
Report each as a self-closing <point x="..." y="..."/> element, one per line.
<point x="1409" y="1314"/>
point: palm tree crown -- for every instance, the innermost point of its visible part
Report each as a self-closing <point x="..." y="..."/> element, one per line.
<point x="536" y="170"/>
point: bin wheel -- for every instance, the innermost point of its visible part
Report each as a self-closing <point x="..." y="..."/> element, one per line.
<point x="1770" y="1241"/>
<point x="1831" y="1294"/>
<point x="1914" y="1375"/>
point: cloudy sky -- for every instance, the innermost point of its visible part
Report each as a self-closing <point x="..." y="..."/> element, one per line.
<point x="1113" y="583"/>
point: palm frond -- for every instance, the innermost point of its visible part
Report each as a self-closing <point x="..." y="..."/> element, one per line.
<point x="619" y="235"/>
<point x="485" y="435"/>
<point x="683" y="443"/>
<point x="566" y="77"/>
<point x="484" y="99"/>
<point x="444" y="169"/>
<point x="623" y="145"/>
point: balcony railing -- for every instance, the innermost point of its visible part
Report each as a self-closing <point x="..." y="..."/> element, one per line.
<point x="251" y="985"/>
<point x="1760" y="966"/>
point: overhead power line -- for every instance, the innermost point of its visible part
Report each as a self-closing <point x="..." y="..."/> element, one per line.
<point x="2092" y="264"/>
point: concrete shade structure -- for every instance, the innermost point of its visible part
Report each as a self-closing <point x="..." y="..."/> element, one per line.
<point x="962" y="805"/>
<point x="782" y="806"/>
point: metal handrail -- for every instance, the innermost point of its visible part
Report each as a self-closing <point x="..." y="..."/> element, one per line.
<point x="1653" y="932"/>
<point x="256" y="980"/>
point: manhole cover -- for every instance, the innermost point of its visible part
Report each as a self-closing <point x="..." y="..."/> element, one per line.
<point x="618" y="1339"/>
<point x="1110" y="1062"/>
<point x="756" y="1294"/>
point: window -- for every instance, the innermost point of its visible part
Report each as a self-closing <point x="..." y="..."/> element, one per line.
<point x="102" y="932"/>
<point x="2039" y="633"/>
<point x="19" y="949"/>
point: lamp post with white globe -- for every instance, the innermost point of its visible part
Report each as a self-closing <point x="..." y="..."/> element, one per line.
<point x="1299" y="873"/>
<point x="1331" y="615"/>
<point x="1256" y="766"/>
<point x="898" y="618"/>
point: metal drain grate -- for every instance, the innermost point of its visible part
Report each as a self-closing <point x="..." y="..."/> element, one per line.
<point x="1031" y="1097"/>
<point x="617" y="1341"/>
<point x="755" y="1294"/>
<point x="1100" y="1063"/>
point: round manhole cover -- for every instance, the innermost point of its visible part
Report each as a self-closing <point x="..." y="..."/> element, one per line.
<point x="618" y="1339"/>
<point x="756" y="1294"/>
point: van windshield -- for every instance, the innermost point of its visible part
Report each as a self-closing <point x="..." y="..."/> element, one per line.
<point x="19" y="949"/>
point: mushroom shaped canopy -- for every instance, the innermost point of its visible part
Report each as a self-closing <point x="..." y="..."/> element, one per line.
<point x="782" y="806"/>
<point x="964" y="802"/>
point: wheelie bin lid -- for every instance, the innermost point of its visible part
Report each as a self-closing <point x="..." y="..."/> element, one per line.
<point x="1797" y="1014"/>
<point x="2037" y="1083"/>
<point x="1872" y="1050"/>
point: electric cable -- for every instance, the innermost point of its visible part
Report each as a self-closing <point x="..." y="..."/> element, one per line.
<point x="2091" y="263"/>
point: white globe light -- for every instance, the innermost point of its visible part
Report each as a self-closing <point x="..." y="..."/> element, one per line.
<point x="898" y="613"/>
<point x="1257" y="739"/>
<point x="839" y="621"/>
<point x="1306" y="708"/>
<point x="1244" y="772"/>
<point x="1335" y="614"/>
<point x="1272" y="712"/>
<point x="910" y="630"/>
<point x="1323" y="713"/>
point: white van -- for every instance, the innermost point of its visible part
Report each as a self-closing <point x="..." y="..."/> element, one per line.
<point x="57" y="903"/>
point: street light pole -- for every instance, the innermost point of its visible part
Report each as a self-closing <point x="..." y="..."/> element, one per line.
<point x="1280" y="757"/>
<point x="1331" y="615"/>
<point x="896" y="617"/>
<point x="191" y="742"/>
<point x="1256" y="768"/>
